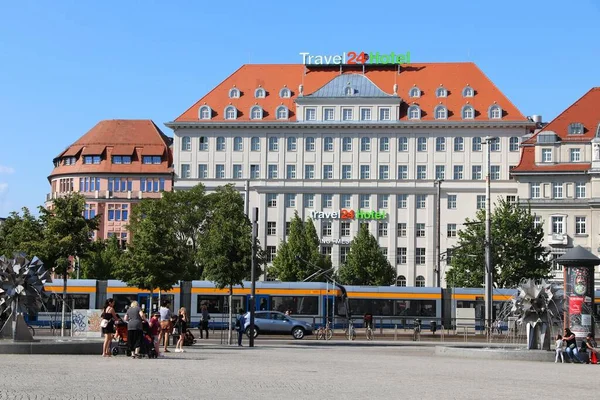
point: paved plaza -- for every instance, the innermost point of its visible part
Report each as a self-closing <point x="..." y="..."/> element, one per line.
<point x="279" y="371"/>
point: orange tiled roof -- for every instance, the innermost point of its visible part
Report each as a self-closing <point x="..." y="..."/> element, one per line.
<point x="527" y="164"/>
<point x="118" y="137"/>
<point x="426" y="76"/>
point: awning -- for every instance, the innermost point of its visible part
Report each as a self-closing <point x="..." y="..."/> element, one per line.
<point x="93" y="150"/>
<point x="153" y="150"/>
<point x="122" y="150"/>
<point x="72" y="151"/>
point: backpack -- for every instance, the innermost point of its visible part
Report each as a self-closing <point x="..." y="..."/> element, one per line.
<point x="237" y="324"/>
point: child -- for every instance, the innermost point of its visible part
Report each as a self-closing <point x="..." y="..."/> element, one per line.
<point x="559" y="349"/>
<point x="155" y="330"/>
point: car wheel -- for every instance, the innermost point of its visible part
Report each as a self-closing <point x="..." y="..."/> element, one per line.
<point x="255" y="332"/>
<point x="298" y="332"/>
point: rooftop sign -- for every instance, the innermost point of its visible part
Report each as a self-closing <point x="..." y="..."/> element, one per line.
<point x="356" y="58"/>
<point x="349" y="214"/>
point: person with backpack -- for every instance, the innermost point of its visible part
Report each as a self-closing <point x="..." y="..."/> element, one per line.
<point x="239" y="325"/>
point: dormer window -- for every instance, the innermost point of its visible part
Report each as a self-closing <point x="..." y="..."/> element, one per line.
<point x="91" y="159"/>
<point x="69" y="160"/>
<point x="230" y="112"/>
<point x="282" y="112"/>
<point x="468" y="112"/>
<point x="468" y="91"/>
<point x="205" y="112"/>
<point x="260" y="93"/>
<point x="256" y="112"/>
<point x="349" y="91"/>
<point x="576" y="128"/>
<point x="234" y="93"/>
<point x="495" y="112"/>
<point x="441" y="112"/>
<point x="441" y="92"/>
<point x="414" y="92"/>
<point x="285" y="93"/>
<point x="414" y="112"/>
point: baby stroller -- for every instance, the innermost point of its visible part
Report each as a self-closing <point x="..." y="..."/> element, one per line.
<point x="121" y="336"/>
<point x="188" y="338"/>
<point x="147" y="348"/>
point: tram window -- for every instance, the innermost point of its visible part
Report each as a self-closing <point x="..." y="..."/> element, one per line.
<point x="300" y="305"/>
<point x="375" y="307"/>
<point x="123" y="301"/>
<point x="415" y="308"/>
<point x="217" y="304"/>
<point x="54" y="303"/>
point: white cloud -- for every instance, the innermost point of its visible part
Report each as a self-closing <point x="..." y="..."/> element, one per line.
<point x="3" y="187"/>
<point x="6" y="170"/>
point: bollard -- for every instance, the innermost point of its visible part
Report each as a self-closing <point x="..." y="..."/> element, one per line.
<point x="395" y="332"/>
<point x="442" y="335"/>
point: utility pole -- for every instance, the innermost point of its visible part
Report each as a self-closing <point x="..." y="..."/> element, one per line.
<point x="488" y="251"/>
<point x="247" y="198"/>
<point x="439" y="233"/>
<point x="253" y="274"/>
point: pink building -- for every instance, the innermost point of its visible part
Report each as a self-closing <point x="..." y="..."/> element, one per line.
<point x="114" y="165"/>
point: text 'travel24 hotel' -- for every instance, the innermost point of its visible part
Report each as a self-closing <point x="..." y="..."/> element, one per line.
<point x="317" y="139"/>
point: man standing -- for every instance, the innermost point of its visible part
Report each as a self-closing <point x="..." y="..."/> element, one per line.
<point x="241" y="321"/>
<point x="166" y="326"/>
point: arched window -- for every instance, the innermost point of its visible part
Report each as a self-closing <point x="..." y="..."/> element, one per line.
<point x="234" y="93"/>
<point x="495" y="112"/>
<point x="186" y="143"/>
<point x="259" y="93"/>
<point x="414" y="112"/>
<point x="414" y="92"/>
<point x="441" y="112"/>
<point x="285" y="93"/>
<point x="203" y="143"/>
<point x="459" y="144"/>
<point x="468" y="112"/>
<point x="256" y="112"/>
<point x="401" y="281"/>
<point x="420" y="281"/>
<point x="441" y="92"/>
<point x="513" y="144"/>
<point x="349" y="91"/>
<point x="230" y="112"/>
<point x="205" y="112"/>
<point x="468" y="91"/>
<point x="282" y="112"/>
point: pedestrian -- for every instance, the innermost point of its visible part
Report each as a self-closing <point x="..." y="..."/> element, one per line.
<point x="571" y="349"/>
<point x="155" y="331"/>
<point x="182" y="324"/>
<point x="135" y="317"/>
<point x="559" y="349"/>
<point x="109" y="315"/>
<point x="240" y="324"/>
<point x="204" y="318"/>
<point x="166" y="326"/>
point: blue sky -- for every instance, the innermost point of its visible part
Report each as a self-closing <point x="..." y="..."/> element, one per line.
<point x="65" y="65"/>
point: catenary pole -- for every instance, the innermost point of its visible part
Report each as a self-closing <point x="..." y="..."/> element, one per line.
<point x="253" y="275"/>
<point x="488" y="250"/>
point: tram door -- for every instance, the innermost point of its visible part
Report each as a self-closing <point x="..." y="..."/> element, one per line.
<point x="144" y="300"/>
<point x="262" y="303"/>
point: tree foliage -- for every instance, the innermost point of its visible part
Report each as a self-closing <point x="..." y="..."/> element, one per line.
<point x="516" y="249"/>
<point x="22" y="233"/>
<point x="366" y="264"/>
<point x="102" y="260"/>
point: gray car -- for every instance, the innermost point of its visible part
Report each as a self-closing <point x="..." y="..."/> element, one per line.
<point x="276" y="323"/>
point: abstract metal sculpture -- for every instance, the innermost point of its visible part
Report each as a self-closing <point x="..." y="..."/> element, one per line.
<point x="537" y="305"/>
<point x="21" y="291"/>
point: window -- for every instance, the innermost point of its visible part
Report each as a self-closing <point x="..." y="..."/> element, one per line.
<point x="575" y="155"/>
<point x="96" y="160"/>
<point x="220" y="144"/>
<point x="328" y="143"/>
<point x="282" y="112"/>
<point x="73" y="160"/>
<point x="345" y="228"/>
<point x="511" y="199"/>
<point x="290" y="171"/>
<point x="185" y="170"/>
<point x="271" y="253"/>
<point x="203" y="143"/>
<point x="254" y="171"/>
<point x="220" y="171"/>
<point x="384" y="172"/>
<point x="414" y="112"/>
<point x="66" y="185"/>
<point x="576" y="128"/>
<point x="422" y="144"/>
<point x="90" y="211"/>
<point x="468" y="112"/>
<point x="537" y="221"/>
<point x="365" y="172"/>
<point x="420" y="255"/>
<point x="118" y="212"/>
<point x="151" y="159"/>
<point x="441" y="92"/>
<point x="476" y="172"/>
<point x="401" y="280"/>
<point x="259" y="93"/>
<point x="458" y="172"/>
<point x="271" y="228"/>
<point x="421" y="172"/>
<point x="91" y="184"/>
<point x="309" y="172"/>
<point x="309" y="144"/>
<point x="420" y="230"/>
<point x="420" y="281"/>
<point x="384" y="114"/>
<point x="382" y="229"/>
<point x="326" y="228"/>
<point x="401" y="229"/>
<point x="310" y="114"/>
<point x="401" y="259"/>
<point x="365" y="144"/>
<point x="402" y="201"/>
<point x="348" y="91"/>
<point x="384" y="144"/>
<point x="495" y="112"/>
<point x="205" y="112"/>
<point x="272" y="171"/>
<point x="290" y="200"/>
<point x="273" y="144"/>
<point x="255" y="144"/>
<point x="344" y="250"/>
<point x="451" y="202"/>
<point x="287" y="228"/>
<point x="237" y="171"/>
<point x="326" y="251"/>
<point x="513" y="144"/>
<point x="327" y="200"/>
<point x="402" y="172"/>
<point x="271" y="199"/>
<point x="309" y="200"/>
<point x="346" y="200"/>
<point x="186" y="143"/>
<point x="580" y="228"/>
<point x="365" y="201"/>
<point x="230" y="112"/>
<point x="328" y="114"/>
<point x="580" y="190"/>
<point x="421" y="200"/>
<point x="291" y="144"/>
<point x="441" y="112"/>
<point x="328" y="171"/>
<point x="557" y="190"/>
<point x="440" y="172"/>
<point x="285" y="93"/>
<point x="402" y="144"/>
<point x="414" y="92"/>
<point x="365" y="114"/>
<point x="347" y="144"/>
<point x="495" y="144"/>
<point x="347" y="114"/>
<point x="480" y="201"/>
<point x="238" y="144"/>
<point x="451" y="231"/>
<point x="495" y="172"/>
<point x="346" y="172"/>
<point x="440" y="144"/>
<point x="468" y="91"/>
<point x="546" y="155"/>
<point x="146" y="185"/>
<point x="234" y="93"/>
<point x="476" y="144"/>
<point x="459" y="144"/>
<point x="534" y="190"/>
<point x="558" y="225"/>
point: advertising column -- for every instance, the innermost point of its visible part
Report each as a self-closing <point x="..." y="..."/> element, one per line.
<point x="579" y="294"/>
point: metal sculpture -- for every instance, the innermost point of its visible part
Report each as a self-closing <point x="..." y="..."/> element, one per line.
<point x="537" y="305"/>
<point x="21" y="291"/>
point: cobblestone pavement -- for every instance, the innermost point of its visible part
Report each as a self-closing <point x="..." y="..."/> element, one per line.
<point x="299" y="372"/>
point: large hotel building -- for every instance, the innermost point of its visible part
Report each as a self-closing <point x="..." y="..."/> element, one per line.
<point x="318" y="139"/>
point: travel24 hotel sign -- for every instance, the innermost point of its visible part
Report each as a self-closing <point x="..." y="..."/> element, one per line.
<point x="356" y="58"/>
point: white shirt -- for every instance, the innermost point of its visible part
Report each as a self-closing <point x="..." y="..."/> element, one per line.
<point x="559" y="344"/>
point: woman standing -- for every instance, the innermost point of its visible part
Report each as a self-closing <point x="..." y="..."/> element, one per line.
<point x="571" y="349"/>
<point x="108" y="314"/>
<point x="182" y="323"/>
<point x="204" y="321"/>
<point x="134" y="317"/>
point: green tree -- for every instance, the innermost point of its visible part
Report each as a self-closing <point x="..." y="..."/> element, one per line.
<point x="516" y="249"/>
<point x="22" y="234"/>
<point x="102" y="260"/>
<point x="366" y="264"/>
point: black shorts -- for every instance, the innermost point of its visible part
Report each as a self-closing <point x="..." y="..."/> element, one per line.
<point x="134" y="339"/>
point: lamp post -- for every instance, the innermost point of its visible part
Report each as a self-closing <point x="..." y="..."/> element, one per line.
<point x="253" y="275"/>
<point x="489" y="279"/>
<point x="439" y="233"/>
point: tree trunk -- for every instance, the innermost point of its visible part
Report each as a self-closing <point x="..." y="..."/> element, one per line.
<point x="230" y="314"/>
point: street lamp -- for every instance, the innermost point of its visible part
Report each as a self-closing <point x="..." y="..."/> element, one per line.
<point x="489" y="279"/>
<point x="438" y="183"/>
<point x="253" y="275"/>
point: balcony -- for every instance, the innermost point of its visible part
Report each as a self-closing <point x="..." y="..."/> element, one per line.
<point x="558" y="239"/>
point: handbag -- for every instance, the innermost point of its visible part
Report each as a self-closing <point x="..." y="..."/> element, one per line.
<point x="103" y="323"/>
<point x="572" y="345"/>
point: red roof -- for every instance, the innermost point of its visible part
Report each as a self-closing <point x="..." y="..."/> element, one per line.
<point x="527" y="164"/>
<point x="427" y="77"/>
